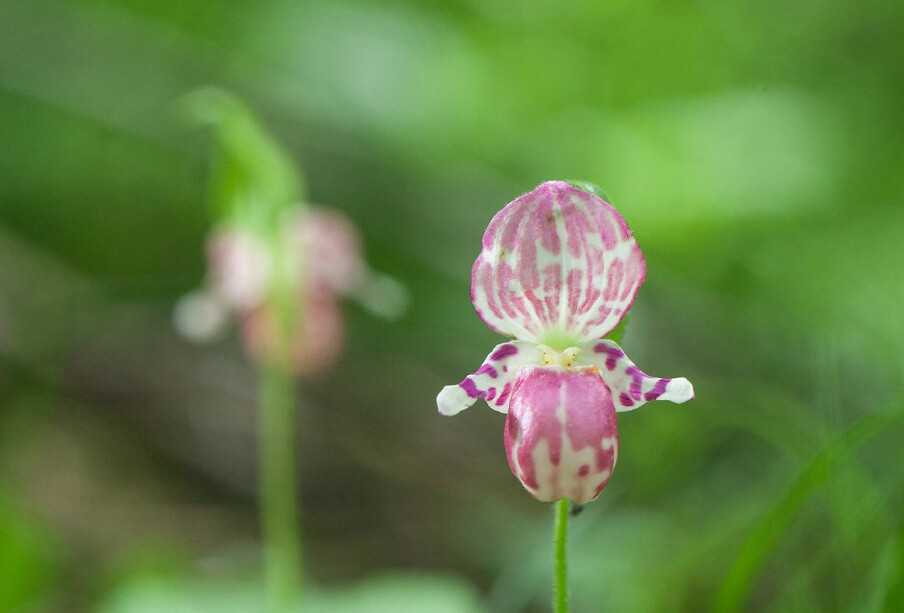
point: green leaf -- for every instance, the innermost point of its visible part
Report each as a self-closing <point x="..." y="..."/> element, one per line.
<point x="765" y="536"/>
<point x="389" y="592"/>
<point x="26" y="561"/>
<point x="894" y="597"/>
<point x="253" y="180"/>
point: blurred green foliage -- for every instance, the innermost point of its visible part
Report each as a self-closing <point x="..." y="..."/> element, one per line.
<point x="252" y="179"/>
<point x="755" y="149"/>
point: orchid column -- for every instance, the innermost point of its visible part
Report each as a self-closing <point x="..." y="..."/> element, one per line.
<point x="558" y="271"/>
<point x="279" y="267"/>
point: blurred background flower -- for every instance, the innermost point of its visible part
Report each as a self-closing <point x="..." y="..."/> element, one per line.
<point x="755" y="149"/>
<point x="327" y="249"/>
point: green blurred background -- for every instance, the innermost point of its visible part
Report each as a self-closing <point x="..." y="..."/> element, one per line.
<point x="756" y="150"/>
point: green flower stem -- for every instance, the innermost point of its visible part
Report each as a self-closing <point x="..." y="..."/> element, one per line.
<point x="256" y="188"/>
<point x="279" y="497"/>
<point x="561" y="595"/>
<point x="278" y="488"/>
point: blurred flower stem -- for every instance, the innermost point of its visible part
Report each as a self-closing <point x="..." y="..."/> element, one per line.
<point x="279" y="267"/>
<point x="278" y="492"/>
<point x="278" y="426"/>
<point x="561" y="538"/>
<point x="278" y="496"/>
<point x="278" y="420"/>
<point x="255" y="191"/>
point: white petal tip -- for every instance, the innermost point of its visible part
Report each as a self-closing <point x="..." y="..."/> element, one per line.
<point x="383" y="296"/>
<point x="680" y="390"/>
<point x="452" y="400"/>
<point x="199" y="317"/>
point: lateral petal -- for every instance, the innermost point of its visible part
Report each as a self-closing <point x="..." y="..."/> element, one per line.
<point x="493" y="381"/>
<point x="630" y="387"/>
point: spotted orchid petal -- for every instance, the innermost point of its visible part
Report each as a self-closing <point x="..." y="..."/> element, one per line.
<point x="561" y="435"/>
<point x="631" y="388"/>
<point x="493" y="381"/>
<point x="556" y="263"/>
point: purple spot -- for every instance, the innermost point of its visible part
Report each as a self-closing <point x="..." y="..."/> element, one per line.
<point x="504" y="395"/>
<point x="584" y="470"/>
<point x="657" y="390"/>
<point x="504" y="351"/>
<point x="625" y="400"/>
<point x="491" y="393"/>
<point x="468" y="386"/>
<point x="488" y="369"/>
<point x="636" y="378"/>
<point x="614" y="354"/>
<point x="504" y="368"/>
<point x="614" y="277"/>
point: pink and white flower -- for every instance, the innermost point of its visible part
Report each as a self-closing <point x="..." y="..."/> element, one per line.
<point x="558" y="271"/>
<point x="321" y="252"/>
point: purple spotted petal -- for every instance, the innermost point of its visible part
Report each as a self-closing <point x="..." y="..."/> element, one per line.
<point x="556" y="260"/>
<point x="630" y="387"/>
<point x="561" y="436"/>
<point x="493" y="381"/>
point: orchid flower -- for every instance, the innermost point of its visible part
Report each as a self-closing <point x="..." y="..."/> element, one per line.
<point x="279" y="267"/>
<point x="558" y="271"/>
<point x="323" y="249"/>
